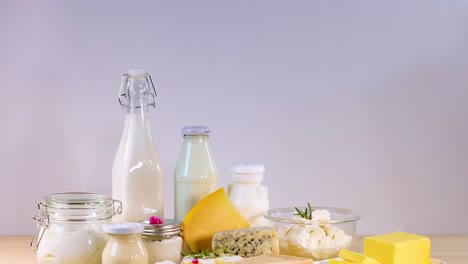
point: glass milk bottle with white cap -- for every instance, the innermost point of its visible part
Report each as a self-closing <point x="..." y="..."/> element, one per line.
<point x="196" y="174"/>
<point x="137" y="179"/>
<point x="247" y="194"/>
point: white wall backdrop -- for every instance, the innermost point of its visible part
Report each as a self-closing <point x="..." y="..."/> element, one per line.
<point x="355" y="104"/>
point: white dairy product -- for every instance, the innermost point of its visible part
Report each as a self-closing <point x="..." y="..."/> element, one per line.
<point x="247" y="194"/>
<point x="64" y="245"/>
<point x="196" y="174"/>
<point x="136" y="174"/>
<point x="125" y="245"/>
<point x="320" y="214"/>
<point x="317" y="241"/>
<point x="166" y="249"/>
<point x="189" y="193"/>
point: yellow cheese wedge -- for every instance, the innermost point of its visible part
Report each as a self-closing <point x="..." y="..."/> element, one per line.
<point x="212" y="214"/>
<point x="280" y="259"/>
<point x="398" y="248"/>
<point x="354" y="257"/>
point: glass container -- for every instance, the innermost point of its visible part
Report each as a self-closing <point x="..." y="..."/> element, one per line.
<point x="70" y="227"/>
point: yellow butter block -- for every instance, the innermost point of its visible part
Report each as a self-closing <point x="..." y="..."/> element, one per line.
<point x="398" y="248"/>
<point x="353" y="257"/>
<point x="338" y="261"/>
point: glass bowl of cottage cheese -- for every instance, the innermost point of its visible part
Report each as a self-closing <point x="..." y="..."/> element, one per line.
<point x="313" y="232"/>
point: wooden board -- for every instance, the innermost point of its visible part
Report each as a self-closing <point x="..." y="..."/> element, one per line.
<point x="453" y="249"/>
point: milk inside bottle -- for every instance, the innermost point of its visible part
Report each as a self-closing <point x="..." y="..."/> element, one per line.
<point x="196" y="174"/>
<point x="136" y="174"/>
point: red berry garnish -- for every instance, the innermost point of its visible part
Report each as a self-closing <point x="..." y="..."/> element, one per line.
<point x="195" y="260"/>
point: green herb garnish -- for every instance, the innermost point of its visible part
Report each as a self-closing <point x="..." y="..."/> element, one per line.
<point x="306" y="213"/>
<point x="202" y="254"/>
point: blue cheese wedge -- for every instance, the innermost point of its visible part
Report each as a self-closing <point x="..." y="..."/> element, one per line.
<point x="247" y="242"/>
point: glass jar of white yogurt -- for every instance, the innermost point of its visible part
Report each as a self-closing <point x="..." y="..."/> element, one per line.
<point x="124" y="245"/>
<point x="164" y="241"/>
<point x="70" y="227"/>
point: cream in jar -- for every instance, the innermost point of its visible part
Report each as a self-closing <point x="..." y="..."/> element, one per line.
<point x="124" y="245"/>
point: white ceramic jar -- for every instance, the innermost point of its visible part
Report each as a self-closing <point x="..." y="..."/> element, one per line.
<point x="247" y="194"/>
<point x="70" y="228"/>
<point x="164" y="241"/>
<point x="125" y="245"/>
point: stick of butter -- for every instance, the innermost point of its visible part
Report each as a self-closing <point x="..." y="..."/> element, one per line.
<point x="354" y="257"/>
<point x="398" y="248"/>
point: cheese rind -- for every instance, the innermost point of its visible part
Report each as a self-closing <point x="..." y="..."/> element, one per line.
<point x="398" y="248"/>
<point x="247" y="242"/>
<point x="280" y="259"/>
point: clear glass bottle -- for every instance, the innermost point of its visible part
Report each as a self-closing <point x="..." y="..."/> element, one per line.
<point x="196" y="174"/>
<point x="125" y="245"/>
<point x="248" y="194"/>
<point x="164" y="241"/>
<point x="70" y="227"/>
<point x="137" y="178"/>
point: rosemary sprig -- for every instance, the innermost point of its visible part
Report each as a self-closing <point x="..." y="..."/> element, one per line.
<point x="306" y="213"/>
<point x="202" y="254"/>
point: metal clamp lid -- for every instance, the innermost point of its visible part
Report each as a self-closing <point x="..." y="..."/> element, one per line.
<point x="42" y="224"/>
<point x="125" y="87"/>
<point x="169" y="228"/>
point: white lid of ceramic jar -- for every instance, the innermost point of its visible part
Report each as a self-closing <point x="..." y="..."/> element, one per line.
<point x="125" y="228"/>
<point x="247" y="172"/>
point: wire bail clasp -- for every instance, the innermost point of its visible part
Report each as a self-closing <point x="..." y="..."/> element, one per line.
<point x="43" y="223"/>
<point x="118" y="209"/>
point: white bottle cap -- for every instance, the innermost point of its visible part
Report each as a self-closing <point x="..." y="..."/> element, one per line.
<point x="125" y="228"/>
<point x="247" y="172"/>
<point x="137" y="73"/>
<point x="195" y="130"/>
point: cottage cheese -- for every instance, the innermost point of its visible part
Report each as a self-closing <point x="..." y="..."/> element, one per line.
<point x="166" y="249"/>
<point x="316" y="241"/>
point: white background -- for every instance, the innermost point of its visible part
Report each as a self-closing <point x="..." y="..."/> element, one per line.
<point x="355" y="104"/>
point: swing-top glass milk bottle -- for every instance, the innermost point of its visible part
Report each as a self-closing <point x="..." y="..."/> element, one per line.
<point x="137" y="179"/>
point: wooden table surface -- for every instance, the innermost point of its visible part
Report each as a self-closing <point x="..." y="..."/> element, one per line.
<point x="453" y="249"/>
